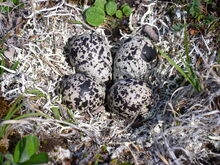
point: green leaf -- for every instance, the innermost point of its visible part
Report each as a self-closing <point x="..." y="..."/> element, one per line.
<point x="104" y="149"/>
<point x="119" y="14"/>
<point x="125" y="163"/>
<point x="96" y="162"/>
<point x="5" y="9"/>
<point x="100" y="4"/>
<point x="17" y="152"/>
<point x="126" y="10"/>
<point x="16" y="2"/>
<point x="2" y="63"/>
<point x="124" y="5"/>
<point x="188" y="59"/>
<point x="1" y="158"/>
<point x="186" y="45"/>
<point x="15" y="65"/>
<point x="192" y="80"/>
<point x="3" y="130"/>
<point x="176" y="66"/>
<point x="32" y="115"/>
<point x="14" y="108"/>
<point x="194" y="8"/>
<point x="111" y="8"/>
<point x="70" y="113"/>
<point x="74" y="22"/>
<point x="95" y="16"/>
<point x="9" y="157"/>
<point x="26" y="148"/>
<point x="188" y="62"/>
<point x="56" y="112"/>
<point x="177" y="27"/>
<point x="7" y="162"/>
<point x="36" y="92"/>
<point x="37" y="159"/>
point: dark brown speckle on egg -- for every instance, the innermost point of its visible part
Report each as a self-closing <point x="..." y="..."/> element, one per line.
<point x="129" y="97"/>
<point x="90" y="54"/>
<point x="134" y="59"/>
<point x="82" y="92"/>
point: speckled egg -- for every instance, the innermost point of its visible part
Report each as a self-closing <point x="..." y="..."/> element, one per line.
<point x="82" y="92"/>
<point x="90" y="54"/>
<point x="134" y="59"/>
<point x="129" y="97"/>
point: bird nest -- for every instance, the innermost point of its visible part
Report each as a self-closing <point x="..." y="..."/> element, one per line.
<point x="182" y="126"/>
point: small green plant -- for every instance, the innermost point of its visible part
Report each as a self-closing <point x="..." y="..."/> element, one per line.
<point x="16" y="106"/>
<point x="96" y="14"/>
<point x="117" y="162"/>
<point x="25" y="153"/>
<point x="3" y="63"/>
<point x="177" y="27"/>
<point x="100" y="4"/>
<point x="126" y="10"/>
<point x="111" y="8"/>
<point x="187" y="72"/>
<point x="119" y="14"/>
<point x="195" y="9"/>
<point x="56" y="112"/>
<point x="7" y="8"/>
<point x="36" y="92"/>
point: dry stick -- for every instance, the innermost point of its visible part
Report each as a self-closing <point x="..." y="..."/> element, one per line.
<point x="69" y="14"/>
<point x="133" y="155"/>
<point x="8" y="70"/>
<point x="185" y="151"/>
<point x="11" y="91"/>
<point x="162" y="158"/>
<point x="26" y="120"/>
<point x="74" y="7"/>
<point x="172" y="109"/>
<point x="170" y="151"/>
<point x="131" y="123"/>
<point x="45" y="9"/>
<point x="206" y="44"/>
<point x="180" y="128"/>
<point x="208" y="67"/>
<point x="14" y="27"/>
<point x="14" y="122"/>
<point x="149" y="11"/>
<point x="57" y="70"/>
<point x="177" y="90"/>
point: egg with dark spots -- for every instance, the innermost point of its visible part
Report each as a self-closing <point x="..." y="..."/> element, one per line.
<point x="129" y="98"/>
<point x="90" y="54"/>
<point x="82" y="92"/>
<point x="135" y="59"/>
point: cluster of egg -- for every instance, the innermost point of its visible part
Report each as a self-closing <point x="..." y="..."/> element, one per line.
<point x="90" y="55"/>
